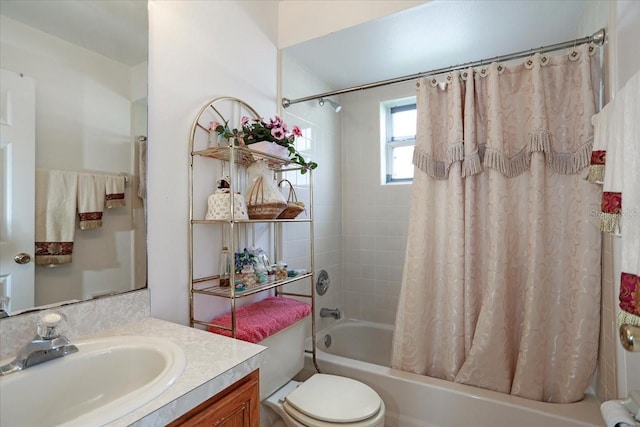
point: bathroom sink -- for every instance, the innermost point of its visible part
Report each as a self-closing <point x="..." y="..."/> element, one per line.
<point x="106" y="379"/>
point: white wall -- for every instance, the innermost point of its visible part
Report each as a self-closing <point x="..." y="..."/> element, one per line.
<point x="197" y="51"/>
<point x="83" y="122"/>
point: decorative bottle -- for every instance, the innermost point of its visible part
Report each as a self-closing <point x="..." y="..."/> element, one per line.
<point x="261" y="273"/>
<point x="225" y="268"/>
<point x="248" y="275"/>
<point x="281" y="270"/>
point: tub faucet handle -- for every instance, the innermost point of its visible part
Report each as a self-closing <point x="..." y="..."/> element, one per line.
<point x="330" y="312"/>
<point x="630" y="337"/>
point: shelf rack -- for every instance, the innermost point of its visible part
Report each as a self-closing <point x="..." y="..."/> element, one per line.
<point x="240" y="156"/>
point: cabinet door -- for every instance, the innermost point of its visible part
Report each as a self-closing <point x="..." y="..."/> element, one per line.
<point x="236" y="406"/>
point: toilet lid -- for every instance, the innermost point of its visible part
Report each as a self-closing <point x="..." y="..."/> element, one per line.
<point x="335" y="399"/>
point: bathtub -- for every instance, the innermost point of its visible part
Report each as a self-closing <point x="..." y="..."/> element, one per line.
<point x="362" y="350"/>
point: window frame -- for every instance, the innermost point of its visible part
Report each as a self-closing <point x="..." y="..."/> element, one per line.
<point x="389" y="142"/>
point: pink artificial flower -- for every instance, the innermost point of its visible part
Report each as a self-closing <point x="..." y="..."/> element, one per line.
<point x="213" y="125"/>
<point x="275" y="122"/>
<point x="244" y="120"/>
<point x="296" y="131"/>
<point x="277" y="133"/>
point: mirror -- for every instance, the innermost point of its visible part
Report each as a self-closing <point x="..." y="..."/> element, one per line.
<point x="88" y="60"/>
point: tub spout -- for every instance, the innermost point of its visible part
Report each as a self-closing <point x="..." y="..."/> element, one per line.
<point x="330" y="312"/>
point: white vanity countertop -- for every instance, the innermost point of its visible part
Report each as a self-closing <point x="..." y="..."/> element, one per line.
<point x="214" y="362"/>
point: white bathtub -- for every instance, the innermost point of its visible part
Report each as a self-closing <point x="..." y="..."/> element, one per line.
<point x="361" y="350"/>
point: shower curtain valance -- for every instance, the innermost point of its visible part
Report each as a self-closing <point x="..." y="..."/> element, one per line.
<point x="501" y="127"/>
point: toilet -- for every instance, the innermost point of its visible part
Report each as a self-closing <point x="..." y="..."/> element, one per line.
<point x="323" y="400"/>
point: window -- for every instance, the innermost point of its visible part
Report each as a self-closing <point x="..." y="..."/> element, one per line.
<point x="399" y="135"/>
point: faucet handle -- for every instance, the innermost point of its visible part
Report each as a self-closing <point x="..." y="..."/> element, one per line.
<point x="48" y="324"/>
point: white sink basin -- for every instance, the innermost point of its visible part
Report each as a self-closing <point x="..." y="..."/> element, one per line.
<point x="106" y="379"/>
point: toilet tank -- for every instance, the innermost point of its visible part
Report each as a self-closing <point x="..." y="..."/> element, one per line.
<point x="284" y="357"/>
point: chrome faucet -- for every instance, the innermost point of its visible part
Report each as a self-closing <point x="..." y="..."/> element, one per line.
<point x="330" y="312"/>
<point x="47" y="345"/>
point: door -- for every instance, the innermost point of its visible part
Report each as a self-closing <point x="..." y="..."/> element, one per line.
<point x="17" y="188"/>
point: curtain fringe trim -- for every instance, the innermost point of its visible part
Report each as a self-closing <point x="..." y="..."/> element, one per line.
<point x="626" y="318"/>
<point x="438" y="169"/>
<point x="539" y="141"/>
<point x="472" y="165"/>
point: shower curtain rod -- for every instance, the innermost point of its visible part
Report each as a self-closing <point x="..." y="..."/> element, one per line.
<point x="598" y="38"/>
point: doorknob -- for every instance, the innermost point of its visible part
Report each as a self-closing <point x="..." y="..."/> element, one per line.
<point x="22" y="258"/>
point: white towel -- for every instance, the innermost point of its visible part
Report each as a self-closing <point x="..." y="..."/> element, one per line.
<point x="55" y="216"/>
<point x="91" y="195"/>
<point x="617" y="129"/>
<point x="115" y="192"/>
<point x="629" y="97"/>
<point x="615" y="415"/>
<point x="598" y="155"/>
<point x="631" y="180"/>
<point x="607" y="133"/>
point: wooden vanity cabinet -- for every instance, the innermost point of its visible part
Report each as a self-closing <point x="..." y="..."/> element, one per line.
<point x="236" y="406"/>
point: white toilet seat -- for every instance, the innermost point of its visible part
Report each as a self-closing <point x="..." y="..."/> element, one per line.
<point x="307" y="421"/>
<point x="328" y="401"/>
<point x="334" y="399"/>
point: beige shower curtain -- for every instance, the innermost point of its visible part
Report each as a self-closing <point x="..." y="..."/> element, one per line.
<point x="501" y="287"/>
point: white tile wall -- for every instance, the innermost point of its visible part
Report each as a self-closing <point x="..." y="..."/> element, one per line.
<point x="325" y="149"/>
<point x="360" y="225"/>
<point x="375" y="216"/>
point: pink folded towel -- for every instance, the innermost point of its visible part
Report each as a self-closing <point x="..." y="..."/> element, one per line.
<point x="258" y="321"/>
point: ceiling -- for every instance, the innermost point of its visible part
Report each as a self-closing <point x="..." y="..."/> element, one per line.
<point x="437" y="34"/>
<point x="116" y="29"/>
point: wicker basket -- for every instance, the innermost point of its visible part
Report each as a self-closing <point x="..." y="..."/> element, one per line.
<point x="294" y="207"/>
<point x="257" y="208"/>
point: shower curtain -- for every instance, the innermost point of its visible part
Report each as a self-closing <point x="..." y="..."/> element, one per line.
<point x="501" y="285"/>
